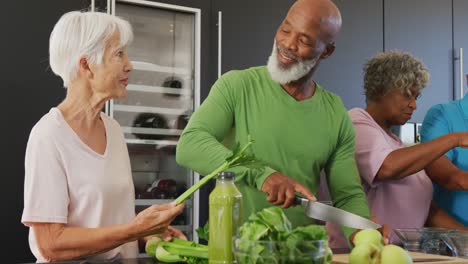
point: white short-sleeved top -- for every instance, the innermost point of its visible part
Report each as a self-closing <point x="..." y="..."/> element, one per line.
<point x="68" y="182"/>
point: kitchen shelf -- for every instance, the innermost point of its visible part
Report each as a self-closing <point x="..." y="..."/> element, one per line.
<point x="152" y="131"/>
<point x="148" y="109"/>
<point x="164" y="86"/>
<point x="147" y="66"/>
<point x="157" y="89"/>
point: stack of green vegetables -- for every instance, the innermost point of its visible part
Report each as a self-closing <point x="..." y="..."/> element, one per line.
<point x="267" y="237"/>
<point x="177" y="250"/>
<point x="190" y="252"/>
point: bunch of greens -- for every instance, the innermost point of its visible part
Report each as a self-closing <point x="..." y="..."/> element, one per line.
<point x="238" y="158"/>
<point x="203" y="231"/>
<point x="267" y="237"/>
<point x="177" y="250"/>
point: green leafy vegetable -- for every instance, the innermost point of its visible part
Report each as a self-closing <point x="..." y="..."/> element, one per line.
<point x="203" y="232"/>
<point x="267" y="237"/>
<point x="238" y="158"/>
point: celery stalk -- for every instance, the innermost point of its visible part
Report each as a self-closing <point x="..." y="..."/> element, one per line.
<point x="151" y="245"/>
<point x="187" y="243"/>
<point x="238" y="158"/>
<point x="185" y="251"/>
<point x="163" y="255"/>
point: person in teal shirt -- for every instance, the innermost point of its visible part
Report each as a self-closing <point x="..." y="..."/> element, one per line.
<point x="299" y="128"/>
<point x="442" y="119"/>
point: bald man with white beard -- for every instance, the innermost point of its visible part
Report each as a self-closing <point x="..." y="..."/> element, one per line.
<point x="299" y="127"/>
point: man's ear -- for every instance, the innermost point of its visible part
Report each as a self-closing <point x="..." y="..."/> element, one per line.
<point x="84" y="67"/>
<point x="329" y="49"/>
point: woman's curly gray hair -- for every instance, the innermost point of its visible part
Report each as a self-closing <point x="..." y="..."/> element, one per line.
<point x="392" y="70"/>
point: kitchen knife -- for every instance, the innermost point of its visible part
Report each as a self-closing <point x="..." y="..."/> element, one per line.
<point x="334" y="215"/>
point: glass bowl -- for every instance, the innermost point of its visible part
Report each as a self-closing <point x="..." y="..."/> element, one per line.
<point x="431" y="240"/>
<point x="410" y="237"/>
<point x="247" y="251"/>
<point x="425" y="239"/>
<point x="457" y="242"/>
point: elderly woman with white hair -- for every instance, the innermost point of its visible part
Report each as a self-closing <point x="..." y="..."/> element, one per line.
<point x="393" y="175"/>
<point x="79" y="194"/>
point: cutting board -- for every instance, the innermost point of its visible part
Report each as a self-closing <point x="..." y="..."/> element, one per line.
<point x="417" y="258"/>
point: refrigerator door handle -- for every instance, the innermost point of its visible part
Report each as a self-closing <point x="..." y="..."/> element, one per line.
<point x="220" y="41"/>
<point x="460" y="68"/>
<point x="108" y="11"/>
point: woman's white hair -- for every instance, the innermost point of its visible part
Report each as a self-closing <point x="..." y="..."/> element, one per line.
<point x="78" y="34"/>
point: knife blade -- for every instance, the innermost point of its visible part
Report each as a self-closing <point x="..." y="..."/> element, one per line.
<point x="335" y="215"/>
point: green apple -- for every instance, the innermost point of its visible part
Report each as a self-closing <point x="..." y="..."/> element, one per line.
<point x="365" y="253"/>
<point x="328" y="259"/>
<point x="393" y="254"/>
<point x="368" y="236"/>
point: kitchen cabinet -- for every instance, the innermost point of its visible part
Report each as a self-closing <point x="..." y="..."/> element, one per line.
<point x="208" y="27"/>
<point x="424" y="28"/>
<point x="247" y="31"/>
<point x="460" y="43"/>
<point x="208" y="73"/>
<point x="360" y="38"/>
<point x="163" y="91"/>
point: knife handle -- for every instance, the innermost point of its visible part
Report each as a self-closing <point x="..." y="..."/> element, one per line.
<point x="300" y="201"/>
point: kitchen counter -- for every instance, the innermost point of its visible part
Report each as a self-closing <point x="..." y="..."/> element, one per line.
<point x="142" y="260"/>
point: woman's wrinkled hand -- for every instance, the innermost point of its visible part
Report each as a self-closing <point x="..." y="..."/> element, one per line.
<point x="156" y="219"/>
<point x="167" y="235"/>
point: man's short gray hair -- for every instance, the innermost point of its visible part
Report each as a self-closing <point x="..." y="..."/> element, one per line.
<point x="392" y="70"/>
<point x="78" y="34"/>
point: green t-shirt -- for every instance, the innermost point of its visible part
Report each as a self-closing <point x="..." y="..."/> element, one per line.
<point x="295" y="138"/>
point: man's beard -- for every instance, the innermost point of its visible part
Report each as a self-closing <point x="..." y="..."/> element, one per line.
<point x="287" y="74"/>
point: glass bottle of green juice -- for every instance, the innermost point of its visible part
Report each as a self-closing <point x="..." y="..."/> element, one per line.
<point x="224" y="219"/>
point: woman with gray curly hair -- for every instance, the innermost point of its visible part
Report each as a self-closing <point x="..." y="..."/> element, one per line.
<point x="393" y="174"/>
